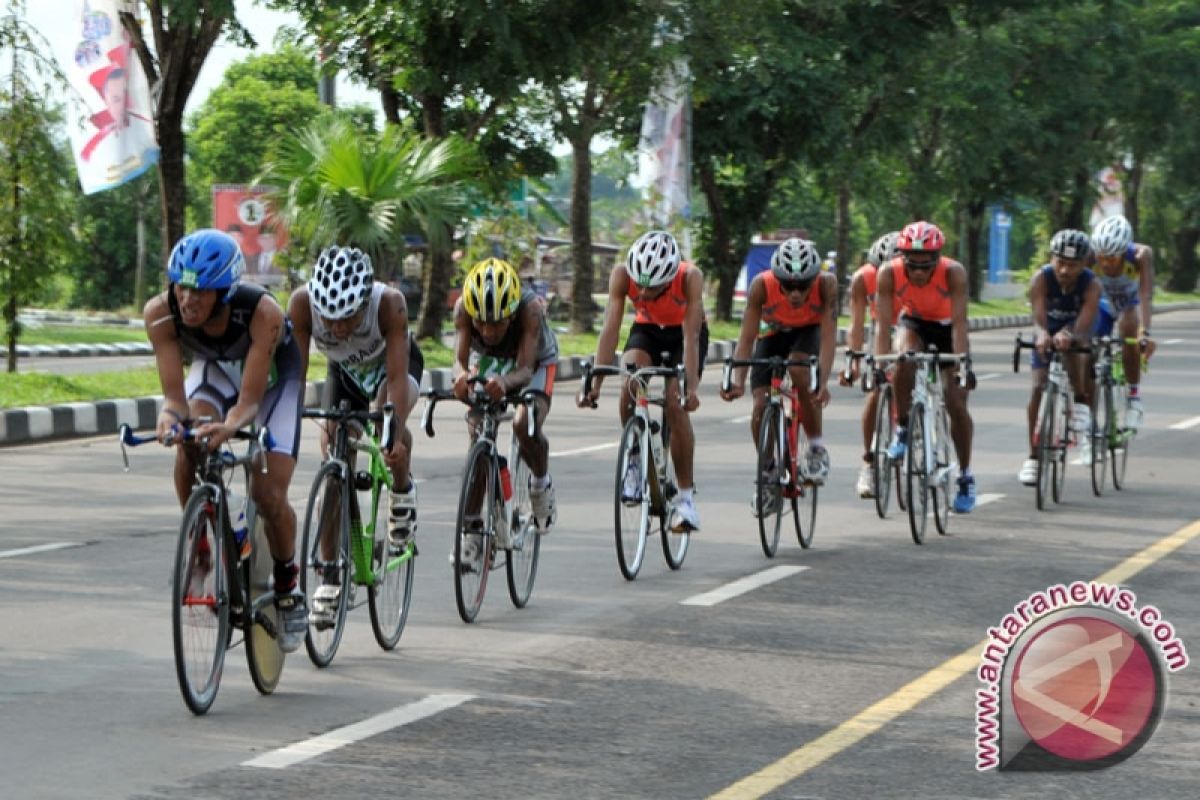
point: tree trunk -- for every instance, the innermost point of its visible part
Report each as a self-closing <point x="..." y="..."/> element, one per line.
<point x="842" y="238"/>
<point x="12" y="329"/>
<point x="718" y="245"/>
<point x="1133" y="187"/>
<point x="1187" y="268"/>
<point x="975" y="217"/>
<point x="582" y="312"/>
<point x="172" y="183"/>
<point x="439" y="271"/>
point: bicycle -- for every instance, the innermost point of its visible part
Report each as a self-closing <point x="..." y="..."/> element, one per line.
<point x="645" y="446"/>
<point x="929" y="465"/>
<point x="1111" y="439"/>
<point x="505" y="520"/>
<point x="782" y="469"/>
<point x="884" y="471"/>
<point x="364" y="557"/>
<point x="1052" y="434"/>
<point x="218" y="585"/>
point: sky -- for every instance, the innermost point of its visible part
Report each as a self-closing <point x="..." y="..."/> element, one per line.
<point x="46" y="16"/>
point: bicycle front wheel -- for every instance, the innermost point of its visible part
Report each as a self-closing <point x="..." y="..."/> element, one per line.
<point x="200" y="603"/>
<point x="943" y="473"/>
<point x="881" y="466"/>
<point x="1100" y="433"/>
<point x="674" y="545"/>
<point x="1045" y="447"/>
<point x="917" y="475"/>
<point x="326" y="519"/>
<point x="768" y="492"/>
<point x="473" y="532"/>
<point x="263" y="654"/>
<point x="1061" y="438"/>
<point x="632" y="503"/>
<point x="390" y="594"/>
<point x="1120" y="442"/>
<point x="803" y="493"/>
<point x="522" y="560"/>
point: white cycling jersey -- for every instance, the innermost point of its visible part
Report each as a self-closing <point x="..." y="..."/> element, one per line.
<point x="362" y="354"/>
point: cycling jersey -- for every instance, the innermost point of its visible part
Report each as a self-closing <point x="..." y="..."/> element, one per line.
<point x="928" y="303"/>
<point x="501" y="358"/>
<point x="669" y="308"/>
<point x="1121" y="290"/>
<point x="778" y="313"/>
<point x="1062" y="308"/>
<point x="870" y="278"/>
<point x="362" y="356"/>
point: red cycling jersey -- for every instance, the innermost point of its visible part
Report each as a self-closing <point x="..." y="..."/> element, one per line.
<point x="669" y="308"/>
<point x="778" y="312"/>
<point x="930" y="302"/>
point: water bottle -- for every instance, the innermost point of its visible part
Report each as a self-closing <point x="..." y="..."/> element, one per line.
<point x="505" y="479"/>
<point x="656" y="445"/>
<point x="240" y="529"/>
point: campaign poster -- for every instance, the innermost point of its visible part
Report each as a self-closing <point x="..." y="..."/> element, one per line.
<point x="242" y="212"/>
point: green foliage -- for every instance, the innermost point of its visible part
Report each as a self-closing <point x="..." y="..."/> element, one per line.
<point x="103" y="270"/>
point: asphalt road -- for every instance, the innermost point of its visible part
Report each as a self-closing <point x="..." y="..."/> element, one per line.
<point x="601" y="688"/>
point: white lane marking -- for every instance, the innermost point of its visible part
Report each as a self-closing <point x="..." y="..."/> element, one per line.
<point x="1187" y="423"/>
<point x="738" y="420"/>
<point x="41" y="548"/>
<point x="987" y="376"/>
<point x="741" y="586"/>
<point x="1174" y="341"/>
<point x="319" y="745"/>
<point x="983" y="500"/>
<point x="589" y="449"/>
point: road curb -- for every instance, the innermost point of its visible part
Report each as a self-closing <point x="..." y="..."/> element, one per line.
<point x="35" y="423"/>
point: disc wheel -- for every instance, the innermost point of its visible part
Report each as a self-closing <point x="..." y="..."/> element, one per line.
<point x="200" y="625"/>
<point x="263" y="654"/>
<point x="522" y="560"/>
<point x="917" y="475"/>
<point x="326" y="529"/>
<point x="473" y="543"/>
<point x="632" y="509"/>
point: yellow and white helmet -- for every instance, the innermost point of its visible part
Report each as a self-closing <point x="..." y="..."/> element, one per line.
<point x="491" y="291"/>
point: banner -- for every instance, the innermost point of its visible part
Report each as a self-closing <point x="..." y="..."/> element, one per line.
<point x="1110" y="195"/>
<point x="242" y="212"/>
<point x="664" y="150"/>
<point x="113" y="138"/>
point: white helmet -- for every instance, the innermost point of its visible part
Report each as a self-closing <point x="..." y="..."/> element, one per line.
<point x="796" y="260"/>
<point x="884" y="249"/>
<point x="653" y="259"/>
<point x="1112" y="236"/>
<point x="341" y="282"/>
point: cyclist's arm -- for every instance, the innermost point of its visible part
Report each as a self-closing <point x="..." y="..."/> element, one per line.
<point x="858" y="312"/>
<point x="884" y="291"/>
<point x="828" y="287"/>
<point x="266" y="331"/>
<point x="692" y="320"/>
<point x="462" y="340"/>
<point x="300" y="313"/>
<point x="750" y="319"/>
<point x="393" y="324"/>
<point x="168" y="358"/>
<point x="530" y="318"/>
<point x="956" y="279"/>
<point x="1037" y="306"/>
<point x="1144" y="256"/>
<point x="606" y="343"/>
<point x="1088" y="312"/>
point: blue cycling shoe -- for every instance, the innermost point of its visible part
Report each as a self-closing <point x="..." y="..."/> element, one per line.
<point x="964" y="501"/>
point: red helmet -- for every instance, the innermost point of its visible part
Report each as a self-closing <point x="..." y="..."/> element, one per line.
<point x="921" y="236"/>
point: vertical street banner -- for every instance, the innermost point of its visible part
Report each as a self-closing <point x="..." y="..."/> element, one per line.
<point x="664" y="150"/>
<point x="1110" y="195"/>
<point x="243" y="213"/>
<point x="112" y="135"/>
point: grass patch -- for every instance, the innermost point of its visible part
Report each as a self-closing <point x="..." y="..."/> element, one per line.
<point x="80" y="334"/>
<point x="41" y="389"/>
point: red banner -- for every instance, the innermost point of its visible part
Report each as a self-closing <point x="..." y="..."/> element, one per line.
<point x="242" y="212"/>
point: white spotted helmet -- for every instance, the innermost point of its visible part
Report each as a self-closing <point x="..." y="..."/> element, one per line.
<point x="796" y="261"/>
<point x="1112" y="236"/>
<point x="653" y="259"/>
<point x="341" y="282"/>
<point x="884" y="249"/>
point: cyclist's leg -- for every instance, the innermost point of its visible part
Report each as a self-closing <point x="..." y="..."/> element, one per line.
<point x="401" y="408"/>
<point x="777" y="344"/>
<point x="641" y="350"/>
<point x="210" y="394"/>
<point x="535" y="449"/>
<point x="1127" y="324"/>
<point x="903" y="378"/>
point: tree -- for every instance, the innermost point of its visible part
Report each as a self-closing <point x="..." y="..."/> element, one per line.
<point x="339" y="184"/>
<point x="105" y="265"/>
<point x="183" y="33"/>
<point x="36" y="176"/>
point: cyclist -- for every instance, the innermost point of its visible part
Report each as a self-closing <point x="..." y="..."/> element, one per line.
<point x="862" y="299"/>
<point x="792" y="310"/>
<point x="667" y="294"/>
<point x="1065" y="298"/>
<point x="361" y="326"/>
<point x="1126" y="273"/>
<point x="930" y="293"/>
<point x="501" y="334"/>
<point x="245" y="368"/>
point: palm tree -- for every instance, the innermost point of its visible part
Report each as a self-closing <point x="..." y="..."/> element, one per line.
<point x="341" y="185"/>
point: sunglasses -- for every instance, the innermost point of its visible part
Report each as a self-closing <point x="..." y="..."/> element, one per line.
<point x="790" y="287"/>
<point x="920" y="265"/>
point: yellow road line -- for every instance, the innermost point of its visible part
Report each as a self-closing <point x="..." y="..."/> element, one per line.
<point x="904" y="699"/>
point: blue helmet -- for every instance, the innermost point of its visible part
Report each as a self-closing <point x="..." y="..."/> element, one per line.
<point x="207" y="259"/>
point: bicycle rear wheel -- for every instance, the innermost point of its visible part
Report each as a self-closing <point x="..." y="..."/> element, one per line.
<point x="390" y="594"/>
<point x="881" y="465"/>
<point x="674" y="545"/>
<point x="632" y="514"/>
<point x="1061" y="437"/>
<point x="917" y="474"/>
<point x="263" y="654"/>
<point x="473" y="547"/>
<point x="1100" y="433"/>
<point x="327" y="516"/>
<point x="1045" y="445"/>
<point x="522" y="560"/>
<point x="768" y="492"/>
<point x="944" y="475"/>
<point x="200" y="603"/>
<point x="1121" y="440"/>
